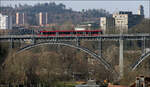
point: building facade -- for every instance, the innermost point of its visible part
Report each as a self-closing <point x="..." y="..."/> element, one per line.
<point x="5" y="21"/>
<point x="107" y="23"/>
<point x="122" y="20"/>
<point x="21" y="18"/>
<point x="141" y="10"/>
<point x="42" y="18"/>
<point x="89" y="25"/>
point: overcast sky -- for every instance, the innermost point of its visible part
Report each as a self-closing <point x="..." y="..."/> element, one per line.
<point x="111" y="6"/>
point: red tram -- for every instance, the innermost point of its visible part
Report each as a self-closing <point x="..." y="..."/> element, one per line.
<point x="71" y="33"/>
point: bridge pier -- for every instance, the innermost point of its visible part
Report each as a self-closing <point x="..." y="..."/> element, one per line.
<point x="11" y="43"/>
<point x="33" y="41"/>
<point x="77" y="42"/>
<point x="143" y="45"/>
<point x="19" y="43"/>
<point x="100" y="47"/>
<point x="121" y="66"/>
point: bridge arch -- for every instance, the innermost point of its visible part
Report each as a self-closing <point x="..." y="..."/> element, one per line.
<point x="142" y="57"/>
<point x="94" y="55"/>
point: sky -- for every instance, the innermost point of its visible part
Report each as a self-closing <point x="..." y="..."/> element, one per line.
<point x="109" y="5"/>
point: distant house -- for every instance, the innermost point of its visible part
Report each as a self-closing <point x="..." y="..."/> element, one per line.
<point x="42" y="18"/>
<point x="5" y="21"/>
<point x="89" y="25"/>
<point x="79" y="28"/>
<point x="21" y="18"/>
<point x="141" y="82"/>
<point x="125" y="20"/>
<point x="107" y="23"/>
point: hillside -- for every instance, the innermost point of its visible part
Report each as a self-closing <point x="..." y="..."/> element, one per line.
<point x="143" y="27"/>
<point x="57" y="13"/>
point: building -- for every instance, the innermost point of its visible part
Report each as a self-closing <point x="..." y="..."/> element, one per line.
<point x="42" y="18"/>
<point x="141" y="81"/>
<point x="89" y="25"/>
<point x="5" y="21"/>
<point x="141" y="10"/>
<point x="107" y="23"/>
<point x="79" y="28"/>
<point x="122" y="20"/>
<point x="21" y="18"/>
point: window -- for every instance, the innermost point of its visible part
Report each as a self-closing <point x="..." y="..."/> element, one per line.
<point x="79" y="32"/>
<point x="74" y="32"/>
<point x="64" y="32"/>
<point x="94" y="32"/>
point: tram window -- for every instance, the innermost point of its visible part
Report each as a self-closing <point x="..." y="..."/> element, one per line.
<point x="94" y="32"/>
<point x="49" y="32"/>
<point x="100" y="32"/>
<point x="64" y="32"/>
<point x="53" y="32"/>
<point x="87" y="32"/>
<point x="79" y="32"/>
<point x="67" y="32"/>
<point x="60" y="33"/>
<point x="44" y="32"/>
<point x="41" y="32"/>
<point x="74" y="32"/>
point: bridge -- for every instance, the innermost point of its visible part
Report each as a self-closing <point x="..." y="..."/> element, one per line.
<point x="64" y="40"/>
<point x="71" y="38"/>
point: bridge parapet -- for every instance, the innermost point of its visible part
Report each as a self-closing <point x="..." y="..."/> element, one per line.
<point x="102" y="37"/>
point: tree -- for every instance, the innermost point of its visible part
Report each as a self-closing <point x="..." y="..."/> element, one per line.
<point x="142" y="27"/>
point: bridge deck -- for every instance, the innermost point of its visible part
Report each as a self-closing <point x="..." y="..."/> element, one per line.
<point x="102" y="37"/>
